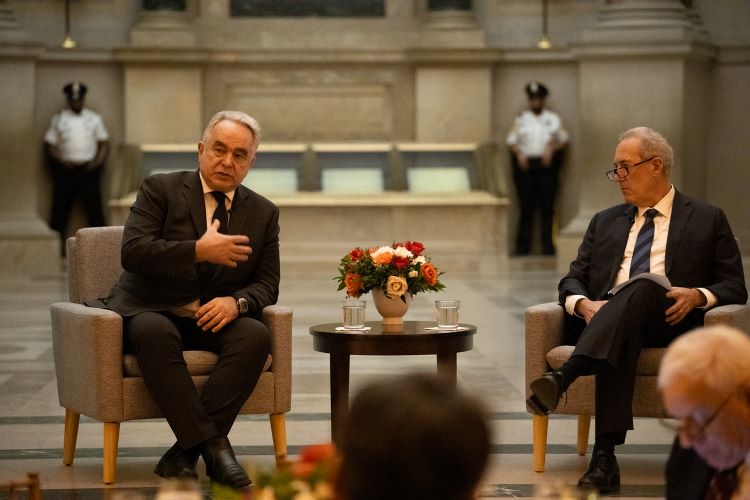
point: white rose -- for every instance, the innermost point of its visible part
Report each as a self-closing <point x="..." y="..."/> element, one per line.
<point x="403" y="252"/>
<point x="413" y="274"/>
<point x="420" y="259"/>
<point x="382" y="250"/>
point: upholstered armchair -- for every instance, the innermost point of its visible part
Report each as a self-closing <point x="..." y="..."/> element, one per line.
<point x="544" y="333"/>
<point x="95" y="379"/>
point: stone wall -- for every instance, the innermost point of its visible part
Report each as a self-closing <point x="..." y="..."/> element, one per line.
<point x="411" y="75"/>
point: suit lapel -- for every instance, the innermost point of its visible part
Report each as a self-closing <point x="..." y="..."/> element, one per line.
<point x="620" y="233"/>
<point x="193" y="194"/>
<point x="682" y="210"/>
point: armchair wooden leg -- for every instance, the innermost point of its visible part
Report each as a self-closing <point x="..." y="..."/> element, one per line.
<point x="584" y="424"/>
<point x="539" y="424"/>
<point x="111" y="438"/>
<point x="278" y="433"/>
<point x="71" y="436"/>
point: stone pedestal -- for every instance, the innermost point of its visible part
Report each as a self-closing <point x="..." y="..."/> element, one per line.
<point x="650" y="65"/>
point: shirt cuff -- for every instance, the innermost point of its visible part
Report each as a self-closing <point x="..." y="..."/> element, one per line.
<point x="711" y="299"/>
<point x="570" y="304"/>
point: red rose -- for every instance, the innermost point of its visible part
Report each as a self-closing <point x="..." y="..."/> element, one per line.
<point x="356" y="254"/>
<point x="415" y="247"/>
<point x="317" y="452"/>
<point x="400" y="262"/>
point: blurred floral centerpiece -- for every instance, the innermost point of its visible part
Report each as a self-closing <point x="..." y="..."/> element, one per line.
<point x="311" y="477"/>
<point x="398" y="270"/>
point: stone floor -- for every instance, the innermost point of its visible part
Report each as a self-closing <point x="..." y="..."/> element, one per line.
<point x="31" y="421"/>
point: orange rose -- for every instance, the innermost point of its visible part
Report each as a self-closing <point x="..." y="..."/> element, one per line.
<point x="382" y="259"/>
<point x="396" y="286"/>
<point x="429" y="273"/>
<point x="354" y="285"/>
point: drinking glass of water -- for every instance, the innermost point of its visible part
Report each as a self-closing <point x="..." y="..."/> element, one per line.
<point x="354" y="314"/>
<point x="447" y="313"/>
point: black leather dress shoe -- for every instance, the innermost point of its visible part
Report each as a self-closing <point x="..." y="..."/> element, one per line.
<point x="546" y="392"/>
<point x="603" y="474"/>
<point x="221" y="464"/>
<point x="177" y="462"/>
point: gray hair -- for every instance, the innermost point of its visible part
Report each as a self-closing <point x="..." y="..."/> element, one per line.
<point x="239" y="117"/>
<point x="717" y="356"/>
<point x="652" y="144"/>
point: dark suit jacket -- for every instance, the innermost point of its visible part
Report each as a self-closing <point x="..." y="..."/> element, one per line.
<point x="158" y="248"/>
<point x="687" y="475"/>
<point x="701" y="252"/>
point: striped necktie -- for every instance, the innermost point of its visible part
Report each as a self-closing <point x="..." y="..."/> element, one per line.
<point x="641" y="262"/>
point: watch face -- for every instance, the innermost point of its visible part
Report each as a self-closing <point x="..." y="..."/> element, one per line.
<point x="242" y="305"/>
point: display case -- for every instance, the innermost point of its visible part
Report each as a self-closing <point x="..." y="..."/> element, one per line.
<point x="353" y="168"/>
<point x="367" y="168"/>
<point x="439" y="167"/>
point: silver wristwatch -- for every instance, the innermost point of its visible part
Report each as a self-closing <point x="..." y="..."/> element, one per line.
<point x="242" y="305"/>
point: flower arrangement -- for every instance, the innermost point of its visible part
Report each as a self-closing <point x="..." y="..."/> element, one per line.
<point x="397" y="270"/>
<point x="309" y="478"/>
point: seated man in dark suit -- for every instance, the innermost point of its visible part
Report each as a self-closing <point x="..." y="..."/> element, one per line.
<point x="660" y="231"/>
<point x="201" y="259"/>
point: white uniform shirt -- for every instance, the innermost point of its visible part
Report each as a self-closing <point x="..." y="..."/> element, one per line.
<point x="76" y="136"/>
<point x="531" y="133"/>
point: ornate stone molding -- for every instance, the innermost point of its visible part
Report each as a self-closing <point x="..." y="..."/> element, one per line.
<point x="638" y="21"/>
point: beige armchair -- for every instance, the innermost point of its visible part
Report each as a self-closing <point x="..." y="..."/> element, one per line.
<point x="95" y="379"/>
<point x="544" y="332"/>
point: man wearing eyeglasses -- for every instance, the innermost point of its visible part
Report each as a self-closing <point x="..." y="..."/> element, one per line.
<point x="706" y="387"/>
<point x="657" y="231"/>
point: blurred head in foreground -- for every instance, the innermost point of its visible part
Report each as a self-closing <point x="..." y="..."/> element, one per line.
<point x="414" y="437"/>
<point x="705" y="380"/>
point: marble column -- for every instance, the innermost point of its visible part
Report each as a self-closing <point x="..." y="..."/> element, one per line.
<point x="27" y="245"/>
<point x="641" y="63"/>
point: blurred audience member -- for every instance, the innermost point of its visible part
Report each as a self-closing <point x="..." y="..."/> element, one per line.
<point x="415" y="437"/>
<point x="705" y="380"/>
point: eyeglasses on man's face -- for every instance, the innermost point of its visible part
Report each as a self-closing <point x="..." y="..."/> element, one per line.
<point x="690" y="428"/>
<point x="623" y="169"/>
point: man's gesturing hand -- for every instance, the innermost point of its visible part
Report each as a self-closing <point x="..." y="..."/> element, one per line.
<point x="224" y="249"/>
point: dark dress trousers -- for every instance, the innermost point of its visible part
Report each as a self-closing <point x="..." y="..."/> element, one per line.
<point x="158" y="252"/>
<point x="701" y="252"/>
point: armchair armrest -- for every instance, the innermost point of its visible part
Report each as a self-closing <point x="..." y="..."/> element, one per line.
<point x="544" y="331"/>
<point x="278" y="319"/>
<point x="736" y="315"/>
<point x="87" y="345"/>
